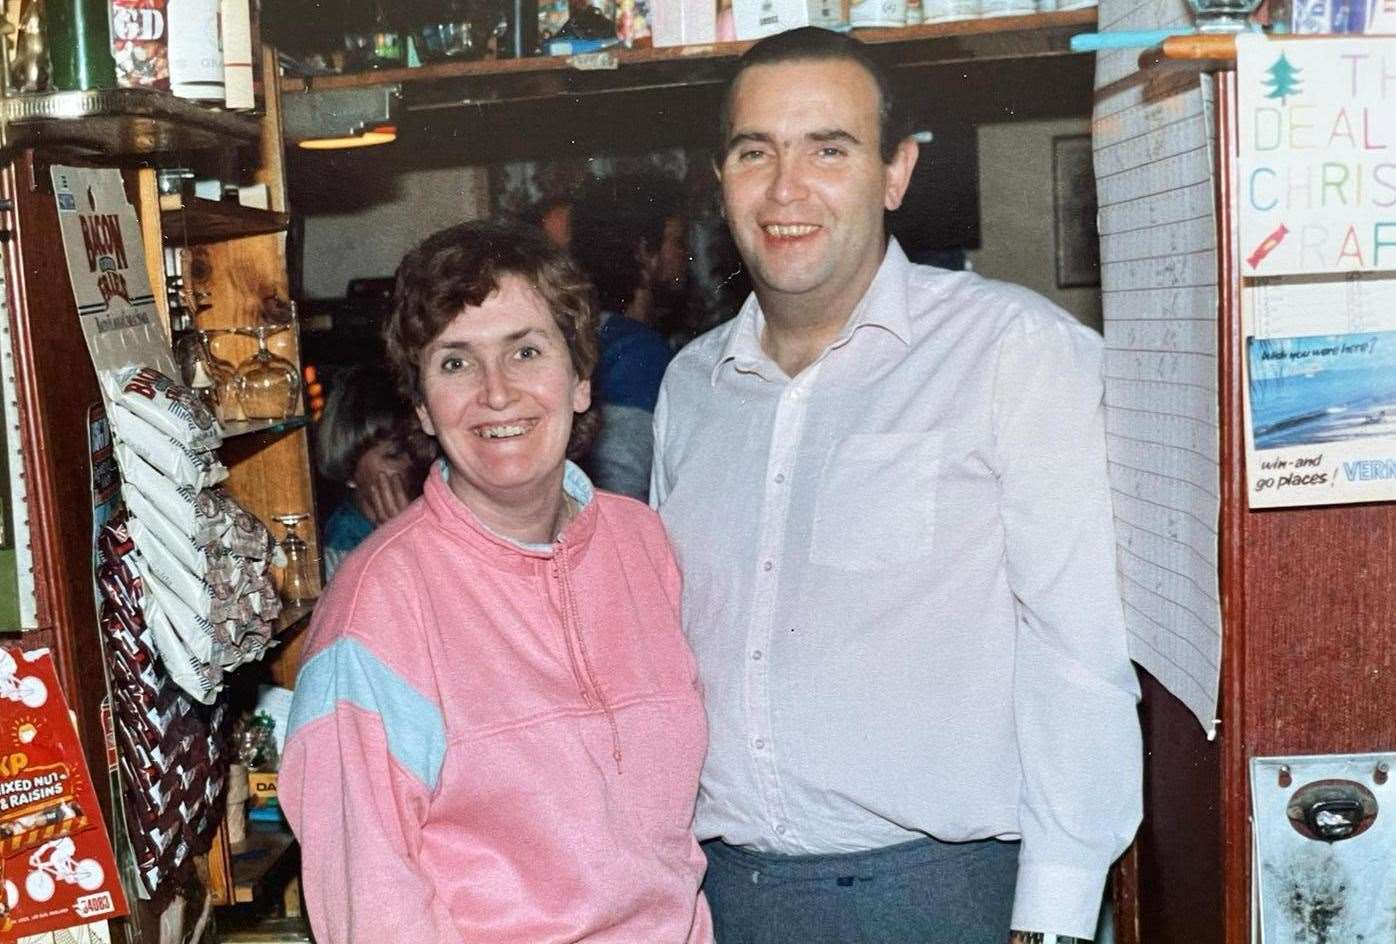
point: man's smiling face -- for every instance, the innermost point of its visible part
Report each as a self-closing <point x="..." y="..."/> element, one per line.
<point x="803" y="182"/>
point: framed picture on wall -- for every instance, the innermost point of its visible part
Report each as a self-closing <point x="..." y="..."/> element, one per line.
<point x="1074" y="212"/>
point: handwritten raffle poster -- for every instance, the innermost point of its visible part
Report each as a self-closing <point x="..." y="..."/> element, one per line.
<point x="1317" y="171"/>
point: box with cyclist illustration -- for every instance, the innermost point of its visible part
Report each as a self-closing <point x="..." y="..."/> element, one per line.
<point x="58" y="868"/>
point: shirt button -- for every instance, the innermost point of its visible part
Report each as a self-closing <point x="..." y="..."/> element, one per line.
<point x="759" y="743"/>
<point x="756" y="655"/>
<point x="780" y="477"/>
<point x="780" y="829"/>
<point x="767" y="565"/>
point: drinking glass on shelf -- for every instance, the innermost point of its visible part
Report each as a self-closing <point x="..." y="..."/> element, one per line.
<point x="194" y="359"/>
<point x="224" y="376"/>
<point x="268" y="386"/>
<point x="296" y="582"/>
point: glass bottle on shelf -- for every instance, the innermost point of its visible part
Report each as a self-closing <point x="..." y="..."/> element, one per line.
<point x="79" y="45"/>
<point x="448" y="31"/>
<point x="268" y="386"/>
<point x="296" y="581"/>
<point x="372" y="39"/>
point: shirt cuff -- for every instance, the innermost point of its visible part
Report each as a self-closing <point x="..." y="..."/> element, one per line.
<point x="1056" y="898"/>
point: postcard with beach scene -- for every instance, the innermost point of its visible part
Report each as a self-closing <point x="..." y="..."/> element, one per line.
<point x="1322" y="415"/>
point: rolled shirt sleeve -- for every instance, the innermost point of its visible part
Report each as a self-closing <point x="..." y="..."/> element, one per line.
<point x="1075" y="692"/>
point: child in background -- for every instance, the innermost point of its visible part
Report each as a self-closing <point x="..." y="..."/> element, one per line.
<point x="368" y="443"/>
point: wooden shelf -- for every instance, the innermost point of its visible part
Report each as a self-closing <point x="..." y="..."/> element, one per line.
<point x="255" y="858"/>
<point x="1204" y="52"/>
<point x="235" y="429"/>
<point x="120" y="123"/>
<point x="209" y="221"/>
<point x="499" y="81"/>
<point x="267" y="931"/>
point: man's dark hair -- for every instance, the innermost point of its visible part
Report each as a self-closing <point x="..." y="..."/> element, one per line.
<point x="813" y="44"/>
<point x="612" y="220"/>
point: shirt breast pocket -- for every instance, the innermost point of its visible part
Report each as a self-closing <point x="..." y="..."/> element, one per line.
<point x="877" y="501"/>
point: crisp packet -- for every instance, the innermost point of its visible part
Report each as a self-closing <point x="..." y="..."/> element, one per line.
<point x="147" y="522"/>
<point x="193" y="467"/>
<point x="197" y="677"/>
<point x="197" y="513"/>
<point x="265" y="600"/>
<point x="195" y="630"/>
<point x="170" y="407"/>
<point x="192" y="589"/>
<point x="247" y="537"/>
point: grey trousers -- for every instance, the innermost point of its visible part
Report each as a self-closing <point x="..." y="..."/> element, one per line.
<point x="921" y="892"/>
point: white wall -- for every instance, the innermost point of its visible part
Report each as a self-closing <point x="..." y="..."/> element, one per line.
<point x="1015" y="211"/>
<point x="370" y="240"/>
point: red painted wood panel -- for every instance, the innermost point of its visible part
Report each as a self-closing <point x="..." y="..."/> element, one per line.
<point x="56" y="386"/>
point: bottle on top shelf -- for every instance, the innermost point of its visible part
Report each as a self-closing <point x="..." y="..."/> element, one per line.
<point x="79" y="45"/>
<point x="196" y="53"/>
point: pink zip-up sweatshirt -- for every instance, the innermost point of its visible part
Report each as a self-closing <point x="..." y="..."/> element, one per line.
<point x="495" y="744"/>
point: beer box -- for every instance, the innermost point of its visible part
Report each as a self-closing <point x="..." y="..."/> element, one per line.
<point x="757" y="18"/>
<point x="683" y="22"/>
<point x="262" y="803"/>
<point x="140" y="43"/>
<point x="261" y="788"/>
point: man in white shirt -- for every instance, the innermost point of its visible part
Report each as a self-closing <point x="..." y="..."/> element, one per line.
<point x="886" y="486"/>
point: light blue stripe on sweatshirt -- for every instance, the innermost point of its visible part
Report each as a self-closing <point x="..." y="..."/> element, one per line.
<point x="346" y="671"/>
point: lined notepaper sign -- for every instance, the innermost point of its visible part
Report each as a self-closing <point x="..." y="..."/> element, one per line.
<point x="1317" y="184"/>
<point x="1154" y="182"/>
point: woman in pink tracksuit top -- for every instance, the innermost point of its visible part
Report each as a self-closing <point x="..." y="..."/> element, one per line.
<point x="497" y="729"/>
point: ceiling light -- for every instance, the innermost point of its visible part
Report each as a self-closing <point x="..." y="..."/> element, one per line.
<point x="321" y="119"/>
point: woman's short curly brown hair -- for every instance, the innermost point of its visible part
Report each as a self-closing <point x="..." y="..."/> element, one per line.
<point x="461" y="266"/>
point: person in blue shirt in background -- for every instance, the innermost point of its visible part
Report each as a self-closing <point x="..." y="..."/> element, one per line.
<point x="628" y="236"/>
<point x="368" y="443"/>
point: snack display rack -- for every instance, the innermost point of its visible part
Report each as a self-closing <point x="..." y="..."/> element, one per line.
<point x="239" y="256"/>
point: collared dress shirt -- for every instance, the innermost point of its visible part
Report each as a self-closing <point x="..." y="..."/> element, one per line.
<point x="900" y="585"/>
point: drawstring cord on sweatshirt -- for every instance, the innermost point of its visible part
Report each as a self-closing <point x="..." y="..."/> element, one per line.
<point x="572" y="624"/>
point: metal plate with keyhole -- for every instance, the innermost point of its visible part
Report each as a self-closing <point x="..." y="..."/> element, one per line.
<point x="1332" y="810"/>
<point x="1325" y="828"/>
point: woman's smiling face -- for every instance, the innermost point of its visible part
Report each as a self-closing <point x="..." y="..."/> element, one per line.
<point x="499" y="392"/>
